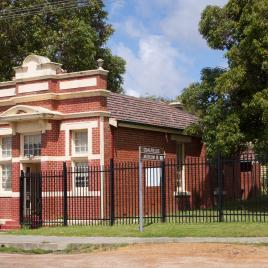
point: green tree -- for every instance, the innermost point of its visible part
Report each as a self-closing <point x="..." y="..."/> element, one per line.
<point x="233" y="104"/>
<point x="75" y="37"/>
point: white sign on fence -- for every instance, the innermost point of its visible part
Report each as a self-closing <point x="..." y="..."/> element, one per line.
<point x="148" y="154"/>
<point x="151" y="153"/>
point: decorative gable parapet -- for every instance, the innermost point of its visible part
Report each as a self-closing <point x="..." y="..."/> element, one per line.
<point x="36" y="66"/>
<point x="38" y="74"/>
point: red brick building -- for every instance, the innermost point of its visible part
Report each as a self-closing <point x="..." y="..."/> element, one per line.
<point x="48" y="116"/>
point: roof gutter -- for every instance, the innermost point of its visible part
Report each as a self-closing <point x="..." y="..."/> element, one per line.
<point x="120" y="123"/>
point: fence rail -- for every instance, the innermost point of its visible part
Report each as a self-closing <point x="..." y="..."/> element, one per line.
<point x="197" y="190"/>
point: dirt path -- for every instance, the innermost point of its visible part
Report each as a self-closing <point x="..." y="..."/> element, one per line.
<point x="155" y="255"/>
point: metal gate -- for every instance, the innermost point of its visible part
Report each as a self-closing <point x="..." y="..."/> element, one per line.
<point x="31" y="199"/>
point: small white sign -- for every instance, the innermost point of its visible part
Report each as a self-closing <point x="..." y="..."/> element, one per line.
<point x="153" y="177"/>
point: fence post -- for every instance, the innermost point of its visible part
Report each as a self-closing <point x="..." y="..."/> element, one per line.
<point x="40" y="200"/>
<point x="65" y="200"/>
<point x="220" y="187"/>
<point x="22" y="176"/>
<point x="163" y="192"/>
<point x="111" y="191"/>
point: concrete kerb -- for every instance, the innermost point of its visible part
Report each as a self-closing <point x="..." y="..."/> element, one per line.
<point x="60" y="243"/>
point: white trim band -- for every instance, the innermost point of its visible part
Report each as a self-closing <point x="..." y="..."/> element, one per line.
<point x="78" y="83"/>
<point x="33" y="87"/>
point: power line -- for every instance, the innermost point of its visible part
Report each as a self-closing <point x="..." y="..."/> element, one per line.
<point x="37" y="8"/>
<point x="41" y="9"/>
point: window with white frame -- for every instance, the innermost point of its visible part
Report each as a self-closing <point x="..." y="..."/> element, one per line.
<point x="32" y="145"/>
<point x="6" y="177"/>
<point x="80" y="142"/>
<point x="6" y="146"/>
<point x="81" y="175"/>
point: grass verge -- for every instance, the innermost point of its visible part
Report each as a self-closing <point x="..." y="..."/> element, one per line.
<point x="71" y="249"/>
<point x="155" y="230"/>
<point x="4" y="249"/>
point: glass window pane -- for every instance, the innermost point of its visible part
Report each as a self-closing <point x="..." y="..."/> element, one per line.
<point x="81" y="141"/>
<point x="6" y="177"/>
<point x="32" y="145"/>
<point x="81" y="174"/>
<point x="6" y="146"/>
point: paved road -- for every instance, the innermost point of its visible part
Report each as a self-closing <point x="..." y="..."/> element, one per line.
<point x="150" y="255"/>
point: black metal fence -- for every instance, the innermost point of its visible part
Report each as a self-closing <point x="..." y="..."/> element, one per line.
<point x="196" y="190"/>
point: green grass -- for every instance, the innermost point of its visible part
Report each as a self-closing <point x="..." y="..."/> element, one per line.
<point x="155" y="230"/>
<point x="71" y="249"/>
<point x="74" y="249"/>
<point x="14" y="250"/>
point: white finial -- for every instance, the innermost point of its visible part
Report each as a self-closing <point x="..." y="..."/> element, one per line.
<point x="100" y="64"/>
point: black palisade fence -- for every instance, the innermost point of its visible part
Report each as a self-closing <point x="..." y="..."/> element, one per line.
<point x="195" y="190"/>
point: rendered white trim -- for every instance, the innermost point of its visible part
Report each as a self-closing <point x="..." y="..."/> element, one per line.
<point x="71" y="194"/>
<point x="56" y="77"/>
<point x="50" y="159"/>
<point x="84" y="114"/>
<point x="38" y="125"/>
<point x="7" y="92"/>
<point x="34" y="66"/>
<point x="79" y="125"/>
<point x="102" y="163"/>
<point x="9" y="194"/>
<point x="3" y="221"/>
<point x="33" y="87"/>
<point x="113" y="122"/>
<point x="88" y="125"/>
<point x="5" y="131"/>
<point x="78" y="83"/>
<point x="41" y="117"/>
<point x="4" y="161"/>
<point x="102" y="139"/>
<point x="54" y="96"/>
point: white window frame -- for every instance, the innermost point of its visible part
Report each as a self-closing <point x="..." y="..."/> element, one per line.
<point x="73" y="126"/>
<point x="23" y="143"/>
<point x="74" y="133"/>
<point x="5" y="161"/>
<point x="2" y="190"/>
<point x="9" y="157"/>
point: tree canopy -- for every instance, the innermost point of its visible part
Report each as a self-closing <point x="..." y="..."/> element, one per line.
<point x="74" y="34"/>
<point x="232" y="104"/>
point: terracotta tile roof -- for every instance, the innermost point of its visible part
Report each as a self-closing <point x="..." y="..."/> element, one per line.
<point x="141" y="111"/>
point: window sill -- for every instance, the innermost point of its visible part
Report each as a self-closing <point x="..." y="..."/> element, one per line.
<point x="9" y="194"/>
<point x="85" y="157"/>
<point x="5" y="160"/>
<point x="25" y="159"/>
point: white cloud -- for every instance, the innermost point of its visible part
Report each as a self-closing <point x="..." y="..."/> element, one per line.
<point x="134" y="28"/>
<point x="153" y="69"/>
<point x="181" y="24"/>
<point x="162" y="28"/>
<point x="115" y="6"/>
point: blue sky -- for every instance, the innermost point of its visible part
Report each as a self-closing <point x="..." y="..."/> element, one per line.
<point x="160" y="42"/>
